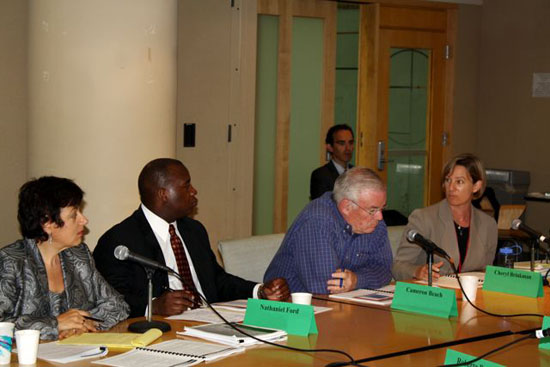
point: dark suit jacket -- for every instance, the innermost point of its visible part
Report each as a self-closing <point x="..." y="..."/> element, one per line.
<point x="322" y="180"/>
<point x="130" y="279"/>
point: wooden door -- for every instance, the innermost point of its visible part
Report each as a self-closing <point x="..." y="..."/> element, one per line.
<point x="404" y="117"/>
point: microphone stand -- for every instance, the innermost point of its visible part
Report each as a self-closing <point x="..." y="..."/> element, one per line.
<point x="533" y="255"/>
<point x="143" y="326"/>
<point x="430" y="261"/>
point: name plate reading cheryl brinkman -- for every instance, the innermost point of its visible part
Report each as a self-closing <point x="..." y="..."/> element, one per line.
<point x="424" y="299"/>
<point x="513" y="281"/>
<point x="293" y="318"/>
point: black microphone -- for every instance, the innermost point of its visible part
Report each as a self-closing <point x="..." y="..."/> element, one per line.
<point x="122" y="253"/>
<point x="426" y="244"/>
<point x="518" y="224"/>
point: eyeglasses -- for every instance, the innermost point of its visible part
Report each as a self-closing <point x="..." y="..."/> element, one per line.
<point x="370" y="211"/>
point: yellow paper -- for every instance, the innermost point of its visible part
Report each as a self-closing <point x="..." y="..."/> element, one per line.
<point x="115" y="340"/>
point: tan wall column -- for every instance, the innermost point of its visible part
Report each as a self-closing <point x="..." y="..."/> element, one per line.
<point x="102" y="81"/>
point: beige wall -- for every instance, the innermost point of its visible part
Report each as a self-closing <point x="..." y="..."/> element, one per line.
<point x="13" y="112"/>
<point x="513" y="127"/>
<point x="108" y="105"/>
<point x="216" y="72"/>
<point x="464" y="138"/>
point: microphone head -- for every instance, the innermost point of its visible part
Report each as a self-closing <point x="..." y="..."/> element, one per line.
<point x="121" y="252"/>
<point x="516" y="223"/>
<point x="411" y="234"/>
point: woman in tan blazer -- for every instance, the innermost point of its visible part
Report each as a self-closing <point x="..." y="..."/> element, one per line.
<point x="467" y="234"/>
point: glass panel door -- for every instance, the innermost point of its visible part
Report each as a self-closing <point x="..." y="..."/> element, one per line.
<point x="407" y="125"/>
<point x="305" y="112"/>
<point x="266" y="124"/>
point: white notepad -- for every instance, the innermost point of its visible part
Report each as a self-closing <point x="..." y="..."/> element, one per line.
<point x="382" y="296"/>
<point x="54" y="352"/>
<point x="170" y="353"/>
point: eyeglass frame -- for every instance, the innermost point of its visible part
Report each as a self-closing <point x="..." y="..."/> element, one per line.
<point x="372" y="211"/>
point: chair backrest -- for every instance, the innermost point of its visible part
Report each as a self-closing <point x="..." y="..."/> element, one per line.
<point x="507" y="213"/>
<point x="394" y="234"/>
<point x="249" y="257"/>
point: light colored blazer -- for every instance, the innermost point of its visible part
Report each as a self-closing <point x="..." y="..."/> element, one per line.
<point x="436" y="223"/>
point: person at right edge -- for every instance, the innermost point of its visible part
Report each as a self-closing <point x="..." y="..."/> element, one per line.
<point x="467" y="234"/>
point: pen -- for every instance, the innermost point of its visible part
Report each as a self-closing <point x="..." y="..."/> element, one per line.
<point x="93" y="318"/>
<point x="342" y="279"/>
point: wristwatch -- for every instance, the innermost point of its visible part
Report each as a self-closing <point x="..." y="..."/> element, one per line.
<point x="261" y="293"/>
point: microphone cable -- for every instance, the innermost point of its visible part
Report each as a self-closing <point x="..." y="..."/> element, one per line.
<point x="538" y="334"/>
<point x="415" y="350"/>
<point x="352" y="361"/>
<point x="482" y="310"/>
<point x="465" y="363"/>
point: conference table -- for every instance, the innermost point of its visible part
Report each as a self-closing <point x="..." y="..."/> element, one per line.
<point x="365" y="331"/>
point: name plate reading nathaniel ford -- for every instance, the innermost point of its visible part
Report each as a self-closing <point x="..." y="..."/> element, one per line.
<point x="423" y="299"/>
<point x="513" y="281"/>
<point x="293" y="318"/>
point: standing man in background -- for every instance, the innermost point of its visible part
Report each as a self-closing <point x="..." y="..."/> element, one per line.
<point x="340" y="142"/>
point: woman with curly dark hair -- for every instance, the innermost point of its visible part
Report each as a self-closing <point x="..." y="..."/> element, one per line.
<point x="48" y="280"/>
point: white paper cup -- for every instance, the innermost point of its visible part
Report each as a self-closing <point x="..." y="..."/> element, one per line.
<point x="301" y="298"/>
<point x="6" y="341"/>
<point x="27" y="345"/>
<point x="469" y="283"/>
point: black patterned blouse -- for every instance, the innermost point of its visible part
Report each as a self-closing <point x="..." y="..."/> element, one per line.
<point x="26" y="300"/>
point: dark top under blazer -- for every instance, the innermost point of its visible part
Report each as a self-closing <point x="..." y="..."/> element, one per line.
<point x="322" y="180"/>
<point x="130" y="279"/>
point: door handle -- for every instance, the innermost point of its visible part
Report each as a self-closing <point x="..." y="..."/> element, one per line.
<point x="381" y="160"/>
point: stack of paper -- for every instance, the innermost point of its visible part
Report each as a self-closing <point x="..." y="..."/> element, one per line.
<point x="449" y="281"/>
<point x="119" y="341"/>
<point x="382" y="296"/>
<point x="55" y="352"/>
<point x="232" y="311"/>
<point x="205" y="314"/>
<point x="541" y="266"/>
<point x="225" y="334"/>
<point x="175" y="352"/>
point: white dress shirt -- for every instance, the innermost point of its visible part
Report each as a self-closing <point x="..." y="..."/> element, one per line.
<point x="339" y="168"/>
<point x="160" y="229"/>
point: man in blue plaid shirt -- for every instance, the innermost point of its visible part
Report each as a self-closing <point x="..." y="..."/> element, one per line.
<point x="339" y="242"/>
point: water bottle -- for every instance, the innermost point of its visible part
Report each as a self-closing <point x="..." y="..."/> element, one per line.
<point x="506" y="257"/>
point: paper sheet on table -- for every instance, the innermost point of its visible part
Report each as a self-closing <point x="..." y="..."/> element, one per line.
<point x="241" y="304"/>
<point x="208" y="316"/>
<point x="55" y="352"/>
<point x="115" y="340"/>
<point x="233" y="311"/>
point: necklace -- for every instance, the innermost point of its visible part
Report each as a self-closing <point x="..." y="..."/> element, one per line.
<point x="461" y="230"/>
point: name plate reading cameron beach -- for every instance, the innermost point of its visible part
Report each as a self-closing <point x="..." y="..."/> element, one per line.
<point x="293" y="318"/>
<point x="513" y="281"/>
<point x="423" y="299"/>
